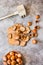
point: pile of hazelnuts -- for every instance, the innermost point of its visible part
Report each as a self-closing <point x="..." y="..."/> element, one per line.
<point x="13" y="58"/>
<point x="18" y="34"/>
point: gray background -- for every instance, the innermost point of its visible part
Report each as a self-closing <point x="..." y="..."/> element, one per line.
<point x="33" y="54"/>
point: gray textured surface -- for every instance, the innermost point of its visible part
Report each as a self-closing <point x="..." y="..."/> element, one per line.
<point x="33" y="54"/>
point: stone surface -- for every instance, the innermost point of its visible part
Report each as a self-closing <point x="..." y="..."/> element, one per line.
<point x="33" y="54"/>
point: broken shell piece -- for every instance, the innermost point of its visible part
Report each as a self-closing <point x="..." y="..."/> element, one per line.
<point x="15" y="36"/>
<point x="22" y="28"/>
<point x="25" y="38"/>
<point x="23" y="43"/>
<point x="27" y="30"/>
<point x="10" y="35"/>
<point x="14" y="28"/>
<point x="18" y="25"/>
<point x="29" y="23"/>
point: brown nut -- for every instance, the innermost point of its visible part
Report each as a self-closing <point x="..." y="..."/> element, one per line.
<point x="34" y="30"/>
<point x="19" y="61"/>
<point x="8" y="62"/>
<point x="37" y="16"/>
<point x="29" y="23"/>
<point x="19" y="55"/>
<point x="31" y="35"/>
<point x="13" y="62"/>
<point x="8" y="56"/>
<point x="34" y="41"/>
<point x="12" y="53"/>
<point x="13" y="57"/>
<point x="37" y="27"/>
<point x="4" y="58"/>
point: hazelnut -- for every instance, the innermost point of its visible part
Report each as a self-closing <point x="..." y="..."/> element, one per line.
<point x="5" y="63"/>
<point x="8" y="62"/>
<point x="14" y="28"/>
<point x="13" y="57"/>
<point x="13" y="62"/>
<point x="11" y="41"/>
<point x="4" y="58"/>
<point x="34" y="41"/>
<point x="36" y="21"/>
<point x="12" y="53"/>
<point x="8" y="56"/>
<point x="37" y="27"/>
<point x="19" y="61"/>
<point x="34" y="30"/>
<point x="27" y="30"/>
<point x="29" y="23"/>
<point x="22" y="28"/>
<point x="31" y="35"/>
<point x="26" y="38"/>
<point x="19" y="55"/>
<point x="37" y="16"/>
<point x="15" y="36"/>
<point x="22" y="43"/>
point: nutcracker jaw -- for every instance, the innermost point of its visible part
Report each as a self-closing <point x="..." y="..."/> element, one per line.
<point x="21" y="11"/>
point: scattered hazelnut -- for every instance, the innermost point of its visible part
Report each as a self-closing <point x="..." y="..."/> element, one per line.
<point x="37" y="16"/>
<point x="37" y="27"/>
<point x="34" y="30"/>
<point x="29" y="23"/>
<point x="36" y="21"/>
<point x="34" y="41"/>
